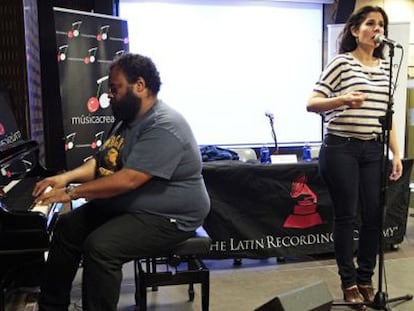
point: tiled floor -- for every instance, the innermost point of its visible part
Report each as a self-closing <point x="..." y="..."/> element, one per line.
<point x="257" y="281"/>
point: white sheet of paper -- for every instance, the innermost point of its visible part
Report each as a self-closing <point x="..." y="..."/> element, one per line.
<point x="283" y="158"/>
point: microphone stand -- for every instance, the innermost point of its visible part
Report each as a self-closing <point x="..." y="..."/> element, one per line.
<point x="381" y="299"/>
<point x="270" y="116"/>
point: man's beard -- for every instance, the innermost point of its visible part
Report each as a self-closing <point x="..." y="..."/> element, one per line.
<point x="126" y="108"/>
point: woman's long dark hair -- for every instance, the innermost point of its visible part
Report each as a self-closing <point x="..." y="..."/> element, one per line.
<point x="348" y="42"/>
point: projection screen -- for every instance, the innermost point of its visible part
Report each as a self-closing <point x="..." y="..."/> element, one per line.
<point x="224" y="64"/>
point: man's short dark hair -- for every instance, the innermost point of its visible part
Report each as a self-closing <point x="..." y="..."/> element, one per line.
<point x="135" y="66"/>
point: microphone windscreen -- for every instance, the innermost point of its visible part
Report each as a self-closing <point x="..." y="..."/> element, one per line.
<point x="379" y="38"/>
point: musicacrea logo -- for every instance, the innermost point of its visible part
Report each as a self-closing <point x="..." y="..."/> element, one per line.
<point x="11" y="138"/>
<point x="93" y="119"/>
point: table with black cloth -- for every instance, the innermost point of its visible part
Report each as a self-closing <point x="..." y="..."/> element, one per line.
<point x="283" y="210"/>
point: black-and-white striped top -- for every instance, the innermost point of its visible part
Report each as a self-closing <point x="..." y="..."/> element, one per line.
<point x="345" y="74"/>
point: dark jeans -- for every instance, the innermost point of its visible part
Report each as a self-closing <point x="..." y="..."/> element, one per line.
<point x="104" y="242"/>
<point x="351" y="169"/>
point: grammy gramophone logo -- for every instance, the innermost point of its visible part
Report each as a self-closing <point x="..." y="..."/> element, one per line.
<point x="305" y="214"/>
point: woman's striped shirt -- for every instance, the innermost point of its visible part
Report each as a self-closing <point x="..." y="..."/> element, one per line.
<point x="345" y="74"/>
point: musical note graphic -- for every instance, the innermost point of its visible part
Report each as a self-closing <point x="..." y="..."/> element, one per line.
<point x="103" y="33"/>
<point x="119" y="53"/>
<point x="91" y="57"/>
<point x="74" y="32"/>
<point x="103" y="98"/>
<point x="87" y="158"/>
<point x="62" y="53"/>
<point x="98" y="140"/>
<point x="69" y="141"/>
<point x="5" y="171"/>
<point x="93" y="103"/>
<point x="102" y="79"/>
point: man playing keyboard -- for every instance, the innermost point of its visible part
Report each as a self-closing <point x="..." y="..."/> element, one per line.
<point x="151" y="197"/>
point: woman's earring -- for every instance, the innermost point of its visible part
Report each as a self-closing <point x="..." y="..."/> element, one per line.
<point x="357" y="40"/>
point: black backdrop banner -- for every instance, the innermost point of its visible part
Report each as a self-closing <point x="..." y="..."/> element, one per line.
<point x="86" y="45"/>
<point x="260" y="211"/>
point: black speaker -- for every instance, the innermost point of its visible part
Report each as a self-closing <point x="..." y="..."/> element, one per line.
<point x="313" y="297"/>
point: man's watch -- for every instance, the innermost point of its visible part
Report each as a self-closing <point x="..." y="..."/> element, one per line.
<point x="69" y="192"/>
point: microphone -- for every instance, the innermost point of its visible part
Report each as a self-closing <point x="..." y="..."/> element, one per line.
<point x="382" y="39"/>
<point x="269" y="115"/>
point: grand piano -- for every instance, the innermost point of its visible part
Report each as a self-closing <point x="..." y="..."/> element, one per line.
<point x="25" y="228"/>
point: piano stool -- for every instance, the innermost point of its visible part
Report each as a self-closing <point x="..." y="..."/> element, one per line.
<point x="189" y="253"/>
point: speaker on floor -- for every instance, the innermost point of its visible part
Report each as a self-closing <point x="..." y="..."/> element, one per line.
<point x="313" y="297"/>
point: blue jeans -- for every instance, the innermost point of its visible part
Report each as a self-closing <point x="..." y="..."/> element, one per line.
<point x="351" y="169"/>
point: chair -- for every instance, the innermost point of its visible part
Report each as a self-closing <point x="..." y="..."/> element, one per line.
<point x="187" y="254"/>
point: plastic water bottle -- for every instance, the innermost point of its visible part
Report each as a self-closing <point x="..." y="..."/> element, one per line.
<point x="264" y="155"/>
<point x="307" y="156"/>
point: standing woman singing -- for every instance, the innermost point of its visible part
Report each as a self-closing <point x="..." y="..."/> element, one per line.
<point x="352" y="96"/>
